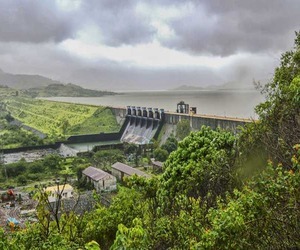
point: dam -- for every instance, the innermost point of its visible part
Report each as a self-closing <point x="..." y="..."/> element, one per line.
<point x="142" y="124"/>
<point x="139" y="125"/>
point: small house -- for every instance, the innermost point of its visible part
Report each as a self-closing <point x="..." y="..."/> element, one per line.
<point x="66" y="191"/>
<point x="121" y="170"/>
<point x="100" y="179"/>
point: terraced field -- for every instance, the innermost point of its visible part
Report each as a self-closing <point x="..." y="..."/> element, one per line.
<point x="62" y="119"/>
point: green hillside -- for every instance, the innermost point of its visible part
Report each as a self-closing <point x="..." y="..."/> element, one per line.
<point x="62" y="119"/>
<point x="6" y="91"/>
<point x="65" y="90"/>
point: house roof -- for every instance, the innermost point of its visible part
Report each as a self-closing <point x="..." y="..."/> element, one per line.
<point x="95" y="173"/>
<point x="66" y="187"/>
<point x="128" y="170"/>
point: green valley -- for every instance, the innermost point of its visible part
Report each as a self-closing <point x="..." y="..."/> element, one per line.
<point x="61" y="119"/>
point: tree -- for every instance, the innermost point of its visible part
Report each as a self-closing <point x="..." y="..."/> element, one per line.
<point x="279" y="115"/>
<point x="15" y="169"/>
<point x="263" y="215"/>
<point x="64" y="125"/>
<point x="52" y="162"/>
<point x="135" y="237"/>
<point x="102" y="223"/>
<point x="105" y="158"/>
<point x="170" y="144"/>
<point x="183" y="129"/>
<point x="160" y="154"/>
<point x="22" y="180"/>
<point x="133" y="149"/>
<point x="79" y="170"/>
<point x="202" y="166"/>
<point x="37" y="167"/>
<point x="130" y="148"/>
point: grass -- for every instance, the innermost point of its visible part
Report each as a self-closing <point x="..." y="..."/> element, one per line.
<point x="17" y="137"/>
<point x="64" y="119"/>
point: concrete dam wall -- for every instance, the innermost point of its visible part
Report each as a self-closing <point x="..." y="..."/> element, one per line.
<point x="142" y="124"/>
<point x="196" y="120"/>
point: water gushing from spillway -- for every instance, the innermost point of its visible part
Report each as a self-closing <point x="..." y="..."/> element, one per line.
<point x="142" y="124"/>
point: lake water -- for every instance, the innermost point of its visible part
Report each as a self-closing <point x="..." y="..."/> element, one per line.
<point x="232" y="103"/>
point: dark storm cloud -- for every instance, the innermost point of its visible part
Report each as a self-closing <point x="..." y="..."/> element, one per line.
<point x="30" y="33"/>
<point x="211" y="27"/>
<point x="34" y="21"/>
<point x="118" y="21"/>
<point x="227" y="27"/>
<point x="101" y="74"/>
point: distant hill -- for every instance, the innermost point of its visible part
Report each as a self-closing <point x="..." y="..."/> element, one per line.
<point x="188" y="87"/>
<point x="24" y="81"/>
<point x="69" y="89"/>
<point x="225" y="86"/>
<point x="40" y="86"/>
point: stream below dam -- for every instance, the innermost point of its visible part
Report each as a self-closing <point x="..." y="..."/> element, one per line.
<point x="65" y="150"/>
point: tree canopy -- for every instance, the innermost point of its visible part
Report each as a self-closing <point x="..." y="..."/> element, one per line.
<point x="183" y="129"/>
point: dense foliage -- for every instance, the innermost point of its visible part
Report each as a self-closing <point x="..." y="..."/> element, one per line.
<point x="278" y="129"/>
<point x="201" y="166"/>
<point x="263" y="214"/>
<point x="13" y="136"/>
<point x="183" y="129"/>
<point x="162" y="153"/>
<point x="170" y="145"/>
<point x="51" y="166"/>
<point x="105" y="158"/>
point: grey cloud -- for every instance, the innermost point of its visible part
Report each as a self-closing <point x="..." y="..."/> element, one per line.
<point x="118" y="21"/>
<point x="214" y="26"/>
<point x="30" y="30"/>
<point x="47" y="60"/>
<point x="242" y="71"/>
<point x="34" y="21"/>
<point x="227" y="27"/>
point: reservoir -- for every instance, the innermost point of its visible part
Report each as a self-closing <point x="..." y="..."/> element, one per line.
<point x="232" y="103"/>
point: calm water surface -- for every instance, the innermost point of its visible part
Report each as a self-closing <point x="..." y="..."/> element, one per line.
<point x="238" y="103"/>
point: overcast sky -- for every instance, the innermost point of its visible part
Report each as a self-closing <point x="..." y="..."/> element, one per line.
<point x="154" y="44"/>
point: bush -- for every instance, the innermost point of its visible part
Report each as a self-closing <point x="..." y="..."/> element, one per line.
<point x="22" y="180"/>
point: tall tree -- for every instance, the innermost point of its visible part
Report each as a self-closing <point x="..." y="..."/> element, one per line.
<point x="201" y="167"/>
<point x="183" y="129"/>
<point x="279" y="115"/>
